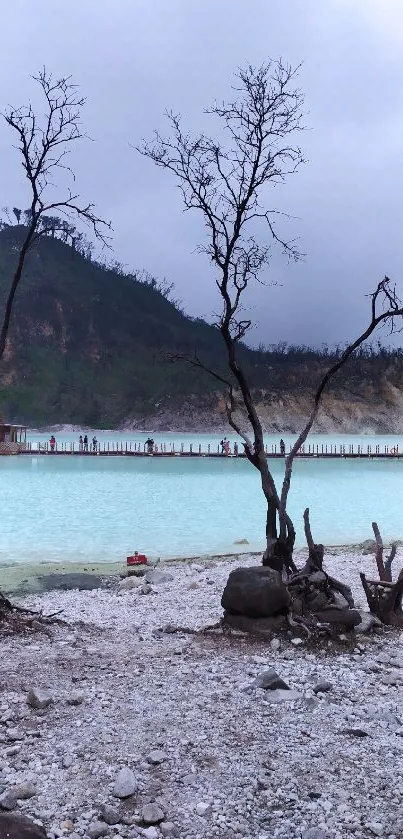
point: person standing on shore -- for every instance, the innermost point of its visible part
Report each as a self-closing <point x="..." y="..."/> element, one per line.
<point x="52" y="443"/>
<point x="94" y="444"/>
<point x="80" y="443"/>
<point x="85" y="443"/>
<point x="282" y="447"/>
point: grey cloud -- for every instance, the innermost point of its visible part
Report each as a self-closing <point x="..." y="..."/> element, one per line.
<point x="133" y="59"/>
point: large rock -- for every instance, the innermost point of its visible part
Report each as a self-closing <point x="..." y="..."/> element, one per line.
<point x="15" y="826"/>
<point x="256" y="592"/>
<point x="255" y="626"/>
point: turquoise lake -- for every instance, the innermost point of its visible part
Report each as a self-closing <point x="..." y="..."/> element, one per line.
<point x="99" y="509"/>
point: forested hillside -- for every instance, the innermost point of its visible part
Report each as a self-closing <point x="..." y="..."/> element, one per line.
<point x="90" y="345"/>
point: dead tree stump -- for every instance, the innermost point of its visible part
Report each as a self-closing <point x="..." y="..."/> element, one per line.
<point x="384" y="597"/>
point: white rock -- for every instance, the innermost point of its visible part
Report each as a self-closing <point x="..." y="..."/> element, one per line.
<point x="150" y="833"/>
<point x="157" y="578"/>
<point x="75" y="698"/>
<point x="280" y="695"/>
<point x="202" y="808"/>
<point x="156" y="756"/>
<point x="130" y="583"/>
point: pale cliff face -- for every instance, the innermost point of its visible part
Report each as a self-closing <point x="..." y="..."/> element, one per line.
<point x="347" y="412"/>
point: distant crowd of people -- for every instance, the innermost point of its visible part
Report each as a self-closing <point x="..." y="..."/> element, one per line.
<point x="226" y="447"/>
<point x="83" y="444"/>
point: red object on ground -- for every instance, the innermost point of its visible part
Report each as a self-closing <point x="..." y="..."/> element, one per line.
<point x="137" y="559"/>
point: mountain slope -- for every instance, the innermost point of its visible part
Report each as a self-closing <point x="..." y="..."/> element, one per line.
<point x="89" y="346"/>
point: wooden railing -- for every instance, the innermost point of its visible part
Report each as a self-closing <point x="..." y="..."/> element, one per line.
<point x="313" y="450"/>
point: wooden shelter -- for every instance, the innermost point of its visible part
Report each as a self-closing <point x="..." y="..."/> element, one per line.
<point x="13" y="438"/>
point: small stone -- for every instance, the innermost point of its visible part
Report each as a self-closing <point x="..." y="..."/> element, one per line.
<point x="315" y="833"/>
<point x="125" y="784"/>
<point x="67" y="824"/>
<point x="67" y="761"/>
<point x="8" y="800"/>
<point x="97" y="829"/>
<point x="14" y="734"/>
<point x="355" y="732"/>
<point x="269" y="680"/>
<point x="193" y="586"/>
<point x="156" y="756"/>
<point x="202" y="808"/>
<point x="23" y="792"/>
<point x="283" y="695"/>
<point x="150" y="833"/>
<point x="13" y="750"/>
<point x="297" y="641"/>
<point x="38" y="698"/>
<point x="146" y="589"/>
<point x="275" y="644"/>
<point x="75" y="698"/>
<point x="152" y="814"/>
<point x="168" y="829"/>
<point x="158" y="577"/>
<point x="110" y="814"/>
<point x="376" y="828"/>
<point x="322" y="687"/>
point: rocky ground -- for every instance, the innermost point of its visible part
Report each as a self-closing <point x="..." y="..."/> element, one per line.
<point x="144" y="732"/>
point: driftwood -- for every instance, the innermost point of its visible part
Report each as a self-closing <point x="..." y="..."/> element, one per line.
<point x="384" y="597"/>
<point x="314" y="593"/>
<point x="17" y="618"/>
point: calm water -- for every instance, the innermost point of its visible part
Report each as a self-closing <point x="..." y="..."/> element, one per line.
<point x="99" y="509"/>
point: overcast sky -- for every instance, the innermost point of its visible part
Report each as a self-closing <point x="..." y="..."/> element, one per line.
<point x="134" y="58"/>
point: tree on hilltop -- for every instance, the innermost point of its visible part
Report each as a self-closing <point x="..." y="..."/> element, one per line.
<point x="44" y="143"/>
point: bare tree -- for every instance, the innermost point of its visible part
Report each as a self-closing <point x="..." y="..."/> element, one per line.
<point x="228" y="181"/>
<point x="44" y="143"/>
<point x="225" y="182"/>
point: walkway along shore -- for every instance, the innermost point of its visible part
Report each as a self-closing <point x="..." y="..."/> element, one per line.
<point x="323" y="450"/>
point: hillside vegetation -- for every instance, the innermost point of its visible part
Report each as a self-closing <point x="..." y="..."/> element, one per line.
<point x="89" y="345"/>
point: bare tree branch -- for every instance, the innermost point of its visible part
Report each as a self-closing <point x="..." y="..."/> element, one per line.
<point x="44" y="144"/>
<point x="385" y="307"/>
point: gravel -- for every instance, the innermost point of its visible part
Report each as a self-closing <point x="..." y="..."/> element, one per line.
<point x="164" y="724"/>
